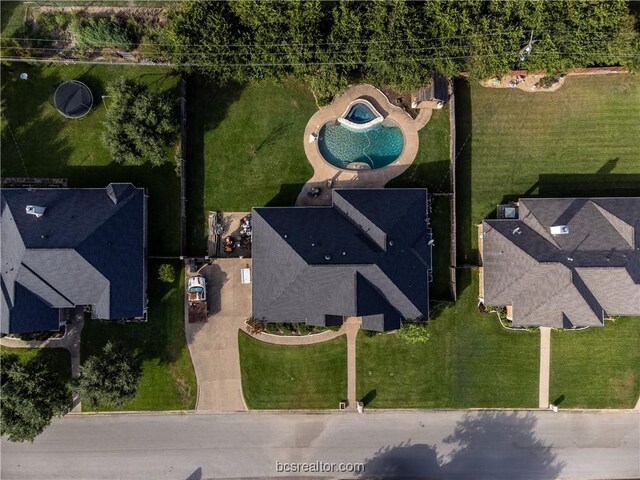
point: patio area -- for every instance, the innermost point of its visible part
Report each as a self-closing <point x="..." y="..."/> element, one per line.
<point x="317" y="191"/>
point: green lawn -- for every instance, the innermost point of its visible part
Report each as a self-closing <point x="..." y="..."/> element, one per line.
<point x="581" y="140"/>
<point x="11" y="17"/>
<point x="293" y="377"/>
<point x="245" y="148"/>
<point x="58" y="358"/>
<point x="469" y="361"/>
<point x="597" y="367"/>
<point x="48" y="145"/>
<point x="430" y="169"/>
<point x="168" y="380"/>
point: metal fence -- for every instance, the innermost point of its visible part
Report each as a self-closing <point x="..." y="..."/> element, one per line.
<point x="183" y="166"/>
<point x="452" y="175"/>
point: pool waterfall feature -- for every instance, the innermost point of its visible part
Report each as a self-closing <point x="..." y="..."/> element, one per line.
<point x="360" y="139"/>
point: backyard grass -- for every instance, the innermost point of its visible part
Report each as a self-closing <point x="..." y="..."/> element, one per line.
<point x="469" y="361"/>
<point x="430" y="169"/>
<point x="11" y="17"/>
<point x="39" y="142"/>
<point x="245" y="148"/>
<point x="581" y="140"/>
<point x="597" y="367"/>
<point x="168" y="380"/>
<point x="293" y="377"/>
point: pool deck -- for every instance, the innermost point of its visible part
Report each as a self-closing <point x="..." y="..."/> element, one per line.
<point x="327" y="177"/>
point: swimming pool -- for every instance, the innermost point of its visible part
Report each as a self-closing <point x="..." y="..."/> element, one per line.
<point x="376" y="146"/>
<point x="360" y="114"/>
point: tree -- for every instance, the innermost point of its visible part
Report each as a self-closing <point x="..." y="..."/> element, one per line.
<point x="167" y="273"/>
<point x="31" y="395"/>
<point x="140" y="124"/>
<point x="110" y="378"/>
<point x="414" y="332"/>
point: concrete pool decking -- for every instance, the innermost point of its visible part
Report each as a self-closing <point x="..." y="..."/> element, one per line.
<point x="327" y="176"/>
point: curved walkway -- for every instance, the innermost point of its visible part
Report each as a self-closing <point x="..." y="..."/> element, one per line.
<point x="70" y="341"/>
<point x="341" y="178"/>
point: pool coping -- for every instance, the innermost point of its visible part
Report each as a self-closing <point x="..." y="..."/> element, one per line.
<point x="327" y="176"/>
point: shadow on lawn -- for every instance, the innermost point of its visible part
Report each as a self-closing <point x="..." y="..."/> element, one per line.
<point x="207" y="105"/>
<point x="464" y="137"/>
<point x="491" y="444"/>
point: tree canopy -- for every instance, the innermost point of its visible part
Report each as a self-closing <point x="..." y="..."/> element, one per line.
<point x="110" y="378"/>
<point x="139" y="124"/>
<point x="396" y="42"/>
<point x="31" y="395"/>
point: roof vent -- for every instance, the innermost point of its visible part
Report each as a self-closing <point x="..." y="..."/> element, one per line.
<point x="560" y="230"/>
<point x="35" y="210"/>
<point x="391" y="243"/>
<point x="518" y="231"/>
<point x="327" y="257"/>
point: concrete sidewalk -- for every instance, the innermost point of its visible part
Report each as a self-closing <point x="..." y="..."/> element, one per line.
<point x="545" y="364"/>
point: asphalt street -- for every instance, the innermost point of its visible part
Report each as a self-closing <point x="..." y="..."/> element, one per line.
<point x="452" y="445"/>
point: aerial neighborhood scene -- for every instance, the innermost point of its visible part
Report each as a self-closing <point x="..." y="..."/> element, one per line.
<point x="339" y="239"/>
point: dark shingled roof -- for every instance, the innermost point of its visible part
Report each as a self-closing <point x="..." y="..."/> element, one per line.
<point x="573" y="279"/>
<point x="87" y="249"/>
<point x="366" y="255"/>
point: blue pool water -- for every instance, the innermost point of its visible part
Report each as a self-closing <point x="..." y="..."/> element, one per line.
<point x="360" y="114"/>
<point x="377" y="146"/>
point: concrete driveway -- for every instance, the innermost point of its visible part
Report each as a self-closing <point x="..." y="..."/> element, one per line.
<point x="214" y="345"/>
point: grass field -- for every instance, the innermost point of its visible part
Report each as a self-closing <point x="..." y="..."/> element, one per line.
<point x="245" y="148"/>
<point x="597" y="367"/>
<point x="58" y="358"/>
<point x="581" y="140"/>
<point x="39" y="142"/>
<point x="469" y="361"/>
<point x="168" y="380"/>
<point x="430" y="169"/>
<point x="293" y="377"/>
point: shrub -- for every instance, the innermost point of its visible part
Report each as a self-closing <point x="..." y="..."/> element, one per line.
<point x="414" y="332"/>
<point x="110" y="378"/>
<point x="255" y="327"/>
<point x="100" y="32"/>
<point x="167" y="273"/>
<point x="548" y="81"/>
<point x="140" y="125"/>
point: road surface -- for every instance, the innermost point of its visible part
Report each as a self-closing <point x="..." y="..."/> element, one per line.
<point x="453" y="444"/>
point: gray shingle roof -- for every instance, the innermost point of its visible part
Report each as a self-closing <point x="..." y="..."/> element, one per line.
<point x="87" y="249"/>
<point x="573" y="279"/>
<point x="368" y="254"/>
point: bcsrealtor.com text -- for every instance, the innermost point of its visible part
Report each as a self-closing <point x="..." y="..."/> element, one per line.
<point x="319" y="467"/>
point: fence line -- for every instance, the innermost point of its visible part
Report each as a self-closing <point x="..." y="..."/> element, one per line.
<point x="183" y="166"/>
<point x="452" y="175"/>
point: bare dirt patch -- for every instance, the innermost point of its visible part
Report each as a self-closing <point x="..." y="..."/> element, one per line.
<point x="528" y="83"/>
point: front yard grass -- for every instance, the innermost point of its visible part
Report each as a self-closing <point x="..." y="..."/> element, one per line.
<point x="293" y="377"/>
<point x="581" y="140"/>
<point x="58" y="358"/>
<point x="597" y="367"/>
<point x="469" y="361"/>
<point x="245" y="148"/>
<point x="168" y="380"/>
<point x="39" y="142"/>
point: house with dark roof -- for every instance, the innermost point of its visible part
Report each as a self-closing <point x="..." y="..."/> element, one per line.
<point x="63" y="248"/>
<point x="563" y="262"/>
<point x="366" y="255"/>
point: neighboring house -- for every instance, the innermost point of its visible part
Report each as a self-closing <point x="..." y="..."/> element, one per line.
<point x="366" y="255"/>
<point x="563" y="262"/>
<point x="63" y="248"/>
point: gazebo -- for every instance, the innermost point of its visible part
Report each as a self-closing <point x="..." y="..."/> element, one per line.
<point x="73" y="99"/>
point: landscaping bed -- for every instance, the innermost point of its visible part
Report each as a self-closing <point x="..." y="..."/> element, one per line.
<point x="468" y="361"/>
<point x="168" y="380"/>
<point x="596" y="367"/>
<point x="293" y="377"/>
<point x="295" y="329"/>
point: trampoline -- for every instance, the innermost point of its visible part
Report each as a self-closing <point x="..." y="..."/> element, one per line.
<point x="73" y="99"/>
